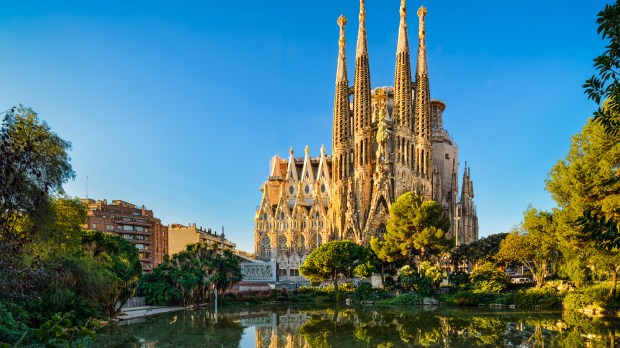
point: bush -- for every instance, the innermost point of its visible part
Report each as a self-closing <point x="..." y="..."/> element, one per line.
<point x="592" y="296"/>
<point x="346" y="287"/>
<point x="365" y="292"/>
<point x="461" y="299"/>
<point x="10" y="329"/>
<point x="459" y="279"/>
<point x="408" y="299"/>
<point x="545" y="298"/>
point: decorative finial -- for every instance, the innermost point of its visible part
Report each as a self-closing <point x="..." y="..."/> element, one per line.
<point x="307" y="150"/>
<point x="322" y="149"/>
<point x="291" y="150"/>
<point x="421" y="13"/>
<point x="342" y="21"/>
<point x="403" y="8"/>
<point x="362" y="11"/>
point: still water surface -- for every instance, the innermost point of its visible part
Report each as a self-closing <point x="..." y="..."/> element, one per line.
<point x="345" y="327"/>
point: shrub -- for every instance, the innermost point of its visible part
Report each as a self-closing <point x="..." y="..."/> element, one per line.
<point x="346" y="287"/>
<point x="596" y="296"/>
<point x="462" y="299"/>
<point x="545" y="298"/>
<point x="10" y="329"/>
<point x="459" y="279"/>
<point x="408" y="299"/>
<point x="365" y="292"/>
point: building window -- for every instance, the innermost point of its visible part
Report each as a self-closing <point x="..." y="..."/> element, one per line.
<point x="127" y="228"/>
<point x="282" y="273"/>
<point x="307" y="189"/>
<point x="138" y="228"/>
<point x="294" y="272"/>
<point x="94" y="225"/>
<point x="291" y="189"/>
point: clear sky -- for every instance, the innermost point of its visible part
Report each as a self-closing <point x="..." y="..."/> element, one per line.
<point x="180" y="105"/>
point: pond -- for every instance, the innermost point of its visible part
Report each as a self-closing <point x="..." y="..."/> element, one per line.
<point x="312" y="326"/>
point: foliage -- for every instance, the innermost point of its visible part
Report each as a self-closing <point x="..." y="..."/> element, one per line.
<point x="122" y="261"/>
<point x="459" y="279"/>
<point x="465" y="298"/>
<point x="365" y="292"/>
<point x="64" y="328"/>
<point x="545" y="298"/>
<point x="604" y="88"/>
<point x="408" y="299"/>
<point x="597" y="296"/>
<point x="334" y="258"/>
<point x="10" y="329"/>
<point x="535" y="246"/>
<point x="157" y="288"/>
<point x="414" y="228"/>
<point x="33" y="164"/>
<point x="424" y="282"/>
<point x="482" y="250"/>
<point x="586" y="186"/>
<point x="488" y="279"/>
<point x="601" y="230"/>
<point x="192" y="276"/>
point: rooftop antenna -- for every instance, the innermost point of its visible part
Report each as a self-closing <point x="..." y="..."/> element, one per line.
<point x="86" y="186"/>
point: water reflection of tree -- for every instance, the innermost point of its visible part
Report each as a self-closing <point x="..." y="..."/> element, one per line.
<point x="190" y="328"/>
<point x="371" y="327"/>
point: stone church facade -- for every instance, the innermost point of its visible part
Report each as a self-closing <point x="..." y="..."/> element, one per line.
<point x="385" y="142"/>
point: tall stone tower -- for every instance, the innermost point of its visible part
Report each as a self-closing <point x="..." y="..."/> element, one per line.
<point x="402" y="112"/>
<point x="363" y="136"/>
<point x="423" y="146"/>
<point x="342" y="158"/>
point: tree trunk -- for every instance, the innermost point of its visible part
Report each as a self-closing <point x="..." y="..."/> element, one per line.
<point x="336" y="281"/>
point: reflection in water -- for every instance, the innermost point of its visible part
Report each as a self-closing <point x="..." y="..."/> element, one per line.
<point x="363" y="327"/>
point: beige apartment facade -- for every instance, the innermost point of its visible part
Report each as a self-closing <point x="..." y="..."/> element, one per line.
<point x="179" y="236"/>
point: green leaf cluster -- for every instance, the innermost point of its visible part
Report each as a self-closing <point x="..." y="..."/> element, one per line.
<point x="191" y="276"/>
<point x="415" y="227"/>
<point x="335" y="258"/>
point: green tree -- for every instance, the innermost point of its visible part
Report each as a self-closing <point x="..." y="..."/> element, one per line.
<point x="414" y="228"/>
<point x="192" y="276"/>
<point x="122" y="261"/>
<point x="334" y="258"/>
<point x="604" y="88"/>
<point x="586" y="183"/>
<point x="534" y="246"/>
<point x="481" y="251"/>
<point x="33" y="164"/>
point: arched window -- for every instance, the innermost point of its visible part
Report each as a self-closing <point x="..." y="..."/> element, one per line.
<point x="265" y="246"/>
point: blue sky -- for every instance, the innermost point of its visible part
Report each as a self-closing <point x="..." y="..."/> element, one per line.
<point x="180" y="105"/>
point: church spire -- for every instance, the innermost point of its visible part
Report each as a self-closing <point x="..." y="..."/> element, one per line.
<point x="423" y="103"/>
<point x="342" y="120"/>
<point x="362" y="104"/>
<point x="403" y="87"/>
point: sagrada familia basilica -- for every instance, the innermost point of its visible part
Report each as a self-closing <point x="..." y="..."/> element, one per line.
<point x="385" y="142"/>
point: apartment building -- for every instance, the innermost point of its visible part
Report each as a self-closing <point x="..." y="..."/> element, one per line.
<point x="134" y="223"/>
<point x="180" y="236"/>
